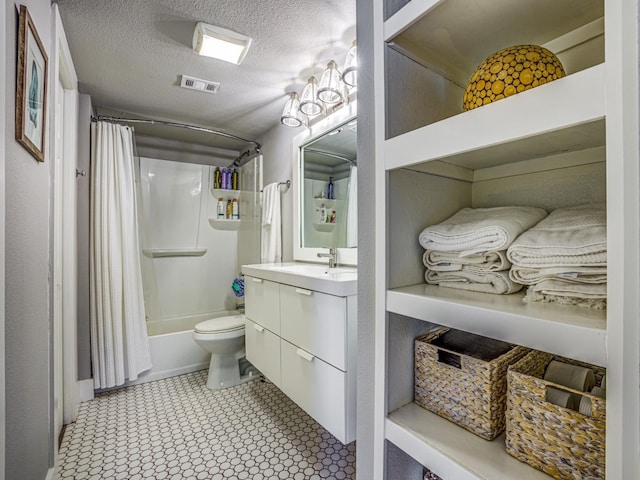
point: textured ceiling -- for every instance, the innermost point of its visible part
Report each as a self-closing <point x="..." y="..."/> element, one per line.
<point x="129" y="56"/>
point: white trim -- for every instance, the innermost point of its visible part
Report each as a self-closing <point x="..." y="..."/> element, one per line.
<point x="85" y="388"/>
<point x="64" y="72"/>
<point x="346" y="256"/>
<point x="50" y="474"/>
<point x="3" y="136"/>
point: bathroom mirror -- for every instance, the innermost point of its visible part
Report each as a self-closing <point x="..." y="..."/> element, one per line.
<point x="324" y="187"/>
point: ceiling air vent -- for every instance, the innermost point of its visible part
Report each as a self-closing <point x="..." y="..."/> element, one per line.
<point x="201" y="85"/>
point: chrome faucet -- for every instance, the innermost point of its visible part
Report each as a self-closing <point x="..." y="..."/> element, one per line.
<point x="332" y="256"/>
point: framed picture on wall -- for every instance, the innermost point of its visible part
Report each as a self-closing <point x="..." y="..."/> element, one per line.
<point x="31" y="91"/>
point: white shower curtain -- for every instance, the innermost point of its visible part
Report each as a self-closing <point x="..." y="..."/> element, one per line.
<point x="119" y="343"/>
<point x="352" y="209"/>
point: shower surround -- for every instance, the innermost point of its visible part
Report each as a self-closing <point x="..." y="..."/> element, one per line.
<point x="188" y="264"/>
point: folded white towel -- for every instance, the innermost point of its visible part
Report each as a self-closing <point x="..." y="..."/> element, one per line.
<point x="568" y="236"/>
<point x="452" y="261"/>
<point x="594" y="303"/>
<point x="473" y="231"/>
<point x="475" y="280"/>
<point x="559" y="287"/>
<point x="571" y="274"/>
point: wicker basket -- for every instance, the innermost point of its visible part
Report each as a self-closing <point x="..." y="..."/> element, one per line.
<point x="429" y="475"/>
<point x="558" y="441"/>
<point x="465" y="390"/>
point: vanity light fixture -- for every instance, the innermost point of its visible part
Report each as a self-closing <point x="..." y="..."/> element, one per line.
<point x="220" y="43"/>
<point x="331" y="89"/>
<point x="325" y="96"/>
<point x="349" y="71"/>
<point x="309" y="104"/>
<point x="291" y="115"/>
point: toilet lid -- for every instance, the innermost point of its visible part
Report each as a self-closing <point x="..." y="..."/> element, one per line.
<point x="221" y="324"/>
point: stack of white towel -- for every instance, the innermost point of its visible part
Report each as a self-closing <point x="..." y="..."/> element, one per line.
<point x="468" y="250"/>
<point x="564" y="257"/>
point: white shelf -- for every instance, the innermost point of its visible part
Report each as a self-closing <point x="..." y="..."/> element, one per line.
<point x="224" y="223"/>
<point x="573" y="332"/>
<point x="224" y="193"/>
<point x="451" y="451"/>
<point x="564" y="115"/>
<point x="452" y="37"/>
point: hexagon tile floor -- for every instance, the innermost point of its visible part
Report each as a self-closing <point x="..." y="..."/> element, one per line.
<point x="178" y="429"/>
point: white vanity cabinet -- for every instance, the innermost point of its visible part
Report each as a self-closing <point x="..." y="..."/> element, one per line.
<point x="304" y="341"/>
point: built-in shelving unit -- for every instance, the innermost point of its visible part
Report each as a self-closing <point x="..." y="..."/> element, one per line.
<point x="569" y="142"/>
<point x="174" y="252"/>
<point x="225" y="193"/>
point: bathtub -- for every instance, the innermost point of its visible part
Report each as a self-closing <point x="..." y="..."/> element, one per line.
<point x="173" y="350"/>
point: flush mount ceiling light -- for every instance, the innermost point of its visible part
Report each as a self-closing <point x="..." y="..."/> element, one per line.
<point x="220" y="43"/>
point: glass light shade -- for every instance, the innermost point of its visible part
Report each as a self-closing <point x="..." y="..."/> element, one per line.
<point x="291" y="116"/>
<point x="331" y="88"/>
<point x="309" y="104"/>
<point x="349" y="72"/>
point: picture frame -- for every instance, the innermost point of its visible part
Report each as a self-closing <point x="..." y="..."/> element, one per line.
<point x="31" y="88"/>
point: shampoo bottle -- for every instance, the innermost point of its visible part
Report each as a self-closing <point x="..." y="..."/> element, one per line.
<point x="221" y="207"/>
<point x="330" y="189"/>
<point x="217" y="178"/>
<point x="234" y="179"/>
<point x="235" y="214"/>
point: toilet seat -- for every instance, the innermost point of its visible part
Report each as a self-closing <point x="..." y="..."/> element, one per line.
<point x="221" y="324"/>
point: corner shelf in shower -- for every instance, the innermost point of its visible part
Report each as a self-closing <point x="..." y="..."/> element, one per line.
<point x="224" y="223"/>
<point x="324" y="227"/>
<point x="173" y="252"/>
<point x="225" y="193"/>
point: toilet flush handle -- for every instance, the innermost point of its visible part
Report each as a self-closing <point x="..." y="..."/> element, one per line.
<point x="258" y="327"/>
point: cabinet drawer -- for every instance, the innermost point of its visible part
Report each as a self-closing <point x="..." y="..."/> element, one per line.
<point x="262" y="303"/>
<point x="263" y="350"/>
<point x="316" y="322"/>
<point x="317" y="387"/>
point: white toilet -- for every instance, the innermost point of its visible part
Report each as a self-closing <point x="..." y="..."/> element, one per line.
<point x="223" y="337"/>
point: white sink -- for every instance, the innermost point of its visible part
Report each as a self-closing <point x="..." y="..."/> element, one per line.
<point x="341" y="281"/>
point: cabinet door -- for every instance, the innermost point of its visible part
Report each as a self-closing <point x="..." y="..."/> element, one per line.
<point x="262" y="303"/>
<point x="317" y="387"/>
<point x="263" y="350"/>
<point x="316" y="322"/>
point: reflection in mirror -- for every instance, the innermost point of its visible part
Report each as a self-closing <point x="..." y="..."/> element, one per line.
<point x="327" y="195"/>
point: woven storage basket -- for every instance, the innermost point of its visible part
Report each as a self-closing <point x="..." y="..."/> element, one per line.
<point x="465" y="390"/>
<point x="429" y="475"/>
<point x="556" y="440"/>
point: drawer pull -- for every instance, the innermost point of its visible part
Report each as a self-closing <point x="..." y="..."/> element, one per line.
<point x="257" y="280"/>
<point x="258" y="327"/>
<point x="306" y="355"/>
<point x="302" y="291"/>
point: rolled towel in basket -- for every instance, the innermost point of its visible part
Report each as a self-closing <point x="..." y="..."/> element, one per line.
<point x="568" y="236"/>
<point x="562" y="398"/>
<point x="572" y="376"/>
<point x="452" y="261"/>
<point x="475" y="280"/>
<point x="473" y="231"/>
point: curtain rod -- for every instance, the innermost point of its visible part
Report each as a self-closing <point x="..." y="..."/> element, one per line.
<point x="96" y="118"/>
<point x="339" y="157"/>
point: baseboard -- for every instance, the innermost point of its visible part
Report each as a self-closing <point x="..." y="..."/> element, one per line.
<point x="50" y="474"/>
<point x="86" y="389"/>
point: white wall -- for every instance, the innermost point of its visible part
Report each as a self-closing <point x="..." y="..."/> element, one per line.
<point x="27" y="270"/>
<point x="3" y="83"/>
<point x="366" y="240"/>
<point x="277" y="150"/>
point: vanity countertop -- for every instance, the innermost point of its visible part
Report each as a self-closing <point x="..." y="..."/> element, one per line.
<point x="341" y="281"/>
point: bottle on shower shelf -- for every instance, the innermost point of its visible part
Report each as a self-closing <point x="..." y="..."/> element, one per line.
<point x="229" y="209"/>
<point x="235" y="214"/>
<point x="221" y="207"/>
<point x="217" y="178"/>
<point x="330" y="194"/>
<point x="234" y="180"/>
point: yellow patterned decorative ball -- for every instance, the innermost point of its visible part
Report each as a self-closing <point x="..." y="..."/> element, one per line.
<point x="510" y="71"/>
